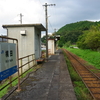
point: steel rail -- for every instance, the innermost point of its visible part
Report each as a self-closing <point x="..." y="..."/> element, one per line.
<point x="84" y="65"/>
<point x="92" y="81"/>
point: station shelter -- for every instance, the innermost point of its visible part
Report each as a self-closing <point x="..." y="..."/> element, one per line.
<point x="29" y="38"/>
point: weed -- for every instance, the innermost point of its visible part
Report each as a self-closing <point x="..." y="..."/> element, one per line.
<point x="95" y="71"/>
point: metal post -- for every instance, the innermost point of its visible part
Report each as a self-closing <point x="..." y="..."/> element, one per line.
<point x="19" y="89"/>
<point x="33" y="59"/>
<point x="28" y="62"/>
<point x="21" y="67"/>
<point x="10" y="80"/>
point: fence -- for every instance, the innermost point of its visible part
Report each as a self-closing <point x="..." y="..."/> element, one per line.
<point x="28" y="61"/>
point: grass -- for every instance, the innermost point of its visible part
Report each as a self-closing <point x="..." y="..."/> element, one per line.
<point x="92" y="57"/>
<point x="95" y="71"/>
<point x="80" y="89"/>
<point x="5" y="90"/>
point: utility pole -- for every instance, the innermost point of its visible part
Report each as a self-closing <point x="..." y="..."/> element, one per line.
<point x="46" y="19"/>
<point x="21" y="18"/>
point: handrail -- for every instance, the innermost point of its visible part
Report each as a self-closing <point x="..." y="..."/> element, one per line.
<point x="21" y="65"/>
<point x="19" y="68"/>
<point x="3" y="37"/>
<point x="25" y="56"/>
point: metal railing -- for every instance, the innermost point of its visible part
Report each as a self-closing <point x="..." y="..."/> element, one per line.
<point x="26" y="63"/>
<point x="30" y="59"/>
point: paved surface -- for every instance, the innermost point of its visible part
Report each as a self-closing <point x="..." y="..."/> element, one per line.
<point x="50" y="82"/>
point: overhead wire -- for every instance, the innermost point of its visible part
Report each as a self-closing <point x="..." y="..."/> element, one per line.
<point x="50" y="24"/>
<point x="43" y="11"/>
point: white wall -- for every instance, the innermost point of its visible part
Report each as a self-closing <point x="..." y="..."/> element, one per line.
<point x="51" y="48"/>
<point x="26" y="43"/>
<point x="37" y="44"/>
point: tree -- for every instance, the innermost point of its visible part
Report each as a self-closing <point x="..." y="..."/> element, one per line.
<point x="61" y="41"/>
<point x="43" y="39"/>
<point x="93" y="40"/>
<point x="81" y="42"/>
<point x="67" y="44"/>
<point x="90" y="39"/>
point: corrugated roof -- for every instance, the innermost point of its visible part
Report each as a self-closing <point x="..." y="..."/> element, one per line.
<point x="39" y="26"/>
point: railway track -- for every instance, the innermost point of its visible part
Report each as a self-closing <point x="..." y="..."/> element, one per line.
<point x="90" y="79"/>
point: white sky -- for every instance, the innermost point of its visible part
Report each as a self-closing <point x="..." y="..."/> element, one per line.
<point x="65" y="12"/>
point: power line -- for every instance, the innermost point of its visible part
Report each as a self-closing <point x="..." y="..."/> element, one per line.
<point x="50" y="25"/>
<point x="41" y="5"/>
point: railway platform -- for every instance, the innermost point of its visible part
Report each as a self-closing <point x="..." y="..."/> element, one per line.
<point x="50" y="82"/>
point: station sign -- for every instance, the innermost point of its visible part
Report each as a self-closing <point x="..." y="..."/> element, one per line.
<point x="8" y="65"/>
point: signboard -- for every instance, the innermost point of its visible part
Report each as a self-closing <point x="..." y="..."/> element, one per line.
<point x="8" y="64"/>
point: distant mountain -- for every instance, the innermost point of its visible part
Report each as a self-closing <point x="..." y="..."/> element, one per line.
<point x="71" y="32"/>
<point x="78" y="26"/>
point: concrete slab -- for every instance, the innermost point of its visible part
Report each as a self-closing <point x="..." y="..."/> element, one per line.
<point x="51" y="82"/>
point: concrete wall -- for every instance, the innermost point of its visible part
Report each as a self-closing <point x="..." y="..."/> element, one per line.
<point x="51" y="46"/>
<point x="37" y="44"/>
<point x="26" y="43"/>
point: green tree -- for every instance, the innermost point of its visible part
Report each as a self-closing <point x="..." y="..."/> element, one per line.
<point x="81" y="42"/>
<point x="93" y="39"/>
<point x="90" y="39"/>
<point x="67" y="44"/>
<point x="61" y="41"/>
<point x="43" y="39"/>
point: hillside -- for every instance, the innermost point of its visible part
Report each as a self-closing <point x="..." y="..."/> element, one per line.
<point x="71" y="32"/>
<point x="82" y="25"/>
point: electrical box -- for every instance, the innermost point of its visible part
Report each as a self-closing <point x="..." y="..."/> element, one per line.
<point x="23" y="33"/>
<point x="8" y="65"/>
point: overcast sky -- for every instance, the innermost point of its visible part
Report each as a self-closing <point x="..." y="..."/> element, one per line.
<point x="65" y="12"/>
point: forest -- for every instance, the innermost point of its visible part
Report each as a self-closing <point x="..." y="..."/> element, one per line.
<point x="85" y="34"/>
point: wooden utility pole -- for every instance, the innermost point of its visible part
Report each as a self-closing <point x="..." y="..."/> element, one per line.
<point x="46" y="19"/>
